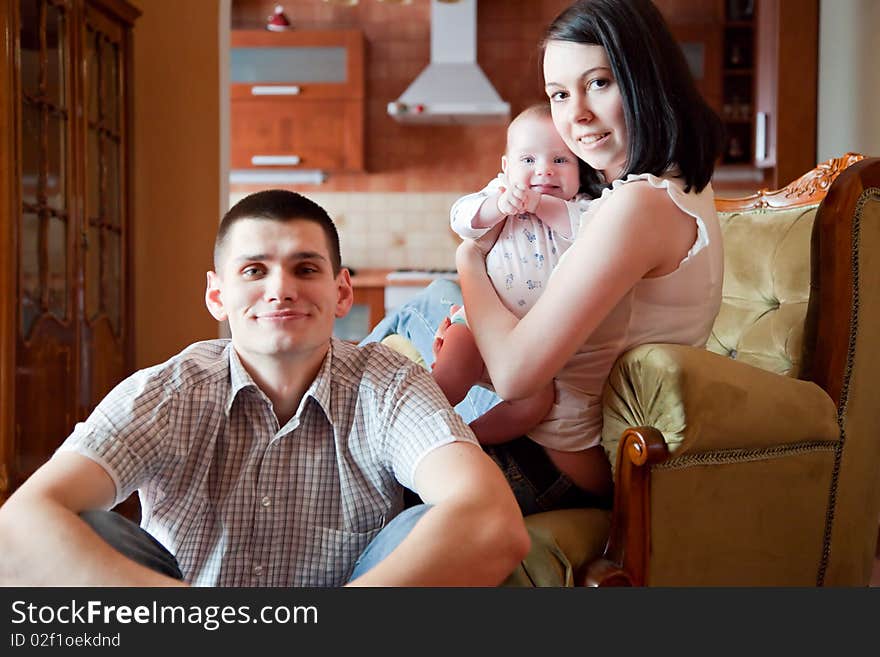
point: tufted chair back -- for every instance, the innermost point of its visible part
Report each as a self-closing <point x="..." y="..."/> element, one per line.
<point x="766" y="287"/>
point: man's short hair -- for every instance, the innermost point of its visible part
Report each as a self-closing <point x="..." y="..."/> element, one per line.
<point x="279" y="205"/>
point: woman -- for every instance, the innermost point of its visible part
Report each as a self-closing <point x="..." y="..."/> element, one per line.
<point x="646" y="265"/>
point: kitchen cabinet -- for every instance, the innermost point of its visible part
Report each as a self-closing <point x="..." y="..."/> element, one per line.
<point x="756" y="64"/>
<point x="297" y="100"/>
<point x="786" y="96"/>
<point x="65" y="270"/>
<point x="738" y="82"/>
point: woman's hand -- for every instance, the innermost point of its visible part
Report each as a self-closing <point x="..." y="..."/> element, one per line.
<point x="473" y="251"/>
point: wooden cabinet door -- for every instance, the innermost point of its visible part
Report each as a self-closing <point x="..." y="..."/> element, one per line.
<point x="47" y="338"/>
<point x="106" y="315"/>
<point x="309" y="134"/>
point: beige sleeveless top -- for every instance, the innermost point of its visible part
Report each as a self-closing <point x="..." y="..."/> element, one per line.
<point x="679" y="308"/>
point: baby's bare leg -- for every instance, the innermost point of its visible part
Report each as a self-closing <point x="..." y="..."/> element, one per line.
<point x="458" y="365"/>
<point x="511" y="419"/>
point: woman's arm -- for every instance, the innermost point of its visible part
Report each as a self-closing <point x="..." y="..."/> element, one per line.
<point x="637" y="232"/>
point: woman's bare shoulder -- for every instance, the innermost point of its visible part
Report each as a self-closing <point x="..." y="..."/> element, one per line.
<point x="644" y="222"/>
<point x="638" y="205"/>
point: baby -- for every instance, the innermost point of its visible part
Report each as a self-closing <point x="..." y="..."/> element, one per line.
<point x="534" y="208"/>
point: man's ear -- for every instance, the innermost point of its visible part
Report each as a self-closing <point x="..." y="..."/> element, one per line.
<point x="345" y="293"/>
<point x="213" y="297"/>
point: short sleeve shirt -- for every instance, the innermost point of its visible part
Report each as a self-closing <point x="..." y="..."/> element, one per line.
<point x="241" y="501"/>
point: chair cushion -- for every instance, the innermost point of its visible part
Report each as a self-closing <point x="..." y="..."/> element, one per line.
<point x="563" y="543"/>
<point x="704" y="403"/>
<point x="404" y="347"/>
<point x="766" y="287"/>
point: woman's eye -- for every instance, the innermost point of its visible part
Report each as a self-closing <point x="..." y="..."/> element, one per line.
<point x="560" y="160"/>
<point x="557" y="96"/>
<point x="598" y="83"/>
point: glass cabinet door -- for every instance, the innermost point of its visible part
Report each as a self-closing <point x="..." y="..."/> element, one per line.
<point x="45" y="230"/>
<point x="47" y="344"/>
<point x="104" y="265"/>
<point x="251" y="65"/>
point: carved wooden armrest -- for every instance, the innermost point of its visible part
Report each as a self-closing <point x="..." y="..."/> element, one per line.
<point x="625" y="561"/>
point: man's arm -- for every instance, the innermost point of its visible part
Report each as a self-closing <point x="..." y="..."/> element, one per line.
<point x="45" y="543"/>
<point x="474" y="535"/>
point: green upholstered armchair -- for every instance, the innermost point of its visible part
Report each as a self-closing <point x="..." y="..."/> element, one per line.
<point x="757" y="460"/>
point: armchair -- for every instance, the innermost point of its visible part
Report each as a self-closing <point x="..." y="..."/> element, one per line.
<point x="757" y="460"/>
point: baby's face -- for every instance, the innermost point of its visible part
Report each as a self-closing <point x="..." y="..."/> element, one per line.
<point x="538" y="159"/>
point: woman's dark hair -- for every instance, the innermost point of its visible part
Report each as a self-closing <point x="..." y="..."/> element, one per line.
<point x="668" y="122"/>
<point x="279" y="205"/>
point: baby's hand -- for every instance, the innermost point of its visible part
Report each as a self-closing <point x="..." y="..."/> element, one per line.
<point x="440" y="334"/>
<point x="507" y="204"/>
<point x="526" y="199"/>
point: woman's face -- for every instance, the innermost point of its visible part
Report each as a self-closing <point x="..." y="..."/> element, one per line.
<point x="586" y="105"/>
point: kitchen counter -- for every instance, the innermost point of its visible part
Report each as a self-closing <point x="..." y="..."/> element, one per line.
<point x="367" y="278"/>
<point x="364" y="278"/>
<point x="380" y="290"/>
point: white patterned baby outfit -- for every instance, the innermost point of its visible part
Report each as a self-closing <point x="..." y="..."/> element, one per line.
<point x="527" y="250"/>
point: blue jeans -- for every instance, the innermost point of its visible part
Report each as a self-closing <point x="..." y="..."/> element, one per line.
<point x="389" y="538"/>
<point x="417" y="320"/>
<point x="139" y="546"/>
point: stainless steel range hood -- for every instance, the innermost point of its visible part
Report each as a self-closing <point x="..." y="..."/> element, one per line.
<point x="453" y="88"/>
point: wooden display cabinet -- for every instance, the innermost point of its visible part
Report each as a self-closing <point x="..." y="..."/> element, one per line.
<point x="65" y="270"/>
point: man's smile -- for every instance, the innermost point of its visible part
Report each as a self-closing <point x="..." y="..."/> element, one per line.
<point x="281" y="315"/>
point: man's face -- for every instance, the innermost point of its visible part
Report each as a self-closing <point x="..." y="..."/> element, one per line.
<point x="275" y="285"/>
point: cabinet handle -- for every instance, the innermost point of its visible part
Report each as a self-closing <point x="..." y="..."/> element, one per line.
<point x="269" y="160"/>
<point x="761" y="136"/>
<point x="291" y="90"/>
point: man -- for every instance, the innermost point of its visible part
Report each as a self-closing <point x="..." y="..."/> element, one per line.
<point x="273" y="458"/>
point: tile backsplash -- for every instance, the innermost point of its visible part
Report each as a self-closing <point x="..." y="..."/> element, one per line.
<point x="390" y="230"/>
